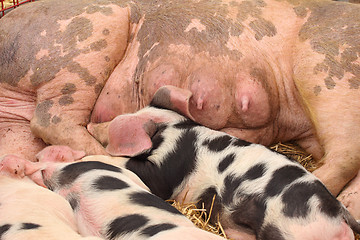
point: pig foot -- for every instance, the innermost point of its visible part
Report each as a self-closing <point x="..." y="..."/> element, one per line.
<point x="350" y="197"/>
<point x="59" y="153"/>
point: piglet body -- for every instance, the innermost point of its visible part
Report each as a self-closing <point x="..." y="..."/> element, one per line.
<point x="257" y="191"/>
<point x="31" y="212"/>
<point x="110" y="202"/>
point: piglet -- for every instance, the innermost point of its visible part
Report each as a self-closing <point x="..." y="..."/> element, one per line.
<point x="113" y="203"/>
<point x="258" y="193"/>
<point x="31" y="212"/>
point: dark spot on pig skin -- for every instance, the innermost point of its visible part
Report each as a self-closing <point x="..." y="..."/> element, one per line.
<point x="42" y="113"/>
<point x="21" y="42"/>
<point x="150" y="200"/>
<point x="317" y="90"/>
<point x="354" y="83"/>
<point x="176" y="166"/>
<point x="107" y="59"/>
<point x="27" y="226"/>
<point x="55" y="119"/>
<point x="106" y="32"/>
<point x="69" y="173"/>
<point x="98" y="88"/>
<point x="99" y="45"/>
<point x="271" y="232"/>
<point x="123" y="225"/>
<point x="210" y="199"/>
<point x="82" y="72"/>
<point x="73" y="201"/>
<point x="69" y="88"/>
<point x="262" y="28"/>
<point x="4" y="229"/>
<point x="240" y="143"/>
<point x="281" y="178"/>
<point x="155" y="229"/>
<point x="330" y="83"/>
<point x="300" y="11"/>
<point x="109" y="183"/>
<point x="296" y="200"/>
<point x="104" y="10"/>
<point x="249" y="212"/>
<point x="66" y="100"/>
<point x="226" y="162"/>
<point x="334" y="37"/>
<point x="218" y="144"/>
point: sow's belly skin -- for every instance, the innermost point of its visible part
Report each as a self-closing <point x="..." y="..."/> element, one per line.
<point x="256" y="77"/>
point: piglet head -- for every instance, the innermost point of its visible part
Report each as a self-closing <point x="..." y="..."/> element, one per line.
<point x="130" y="134"/>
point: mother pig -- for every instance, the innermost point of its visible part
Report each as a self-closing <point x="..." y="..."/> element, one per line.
<point x="262" y="70"/>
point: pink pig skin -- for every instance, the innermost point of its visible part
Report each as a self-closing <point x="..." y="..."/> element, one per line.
<point x="22" y="201"/>
<point x="250" y="73"/>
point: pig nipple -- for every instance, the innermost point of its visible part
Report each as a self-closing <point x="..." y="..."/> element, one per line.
<point x="244" y="103"/>
<point x="200" y="102"/>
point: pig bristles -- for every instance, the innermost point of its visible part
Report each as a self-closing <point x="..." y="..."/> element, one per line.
<point x="199" y="216"/>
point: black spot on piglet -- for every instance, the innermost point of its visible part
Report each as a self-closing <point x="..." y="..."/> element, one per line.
<point x="150" y="200"/>
<point x="296" y="200"/>
<point x="155" y="229"/>
<point x="218" y="144"/>
<point x="249" y="212"/>
<point x="270" y="232"/>
<point x="226" y="162"/>
<point x="282" y="178"/>
<point x="4" y="229"/>
<point x="127" y="224"/>
<point x="72" y="171"/>
<point x="26" y="226"/>
<point x="109" y="183"/>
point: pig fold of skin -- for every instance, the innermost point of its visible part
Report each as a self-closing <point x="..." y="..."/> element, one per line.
<point x="257" y="191"/>
<point x="31" y="212"/>
<point x="113" y="203"/>
<point x="262" y="70"/>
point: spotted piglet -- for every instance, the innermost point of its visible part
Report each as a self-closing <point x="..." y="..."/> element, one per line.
<point x="31" y="212"/>
<point x="113" y="203"/>
<point x="258" y="193"/>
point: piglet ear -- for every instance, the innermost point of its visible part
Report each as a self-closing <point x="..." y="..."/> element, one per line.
<point x="130" y="135"/>
<point x="173" y="98"/>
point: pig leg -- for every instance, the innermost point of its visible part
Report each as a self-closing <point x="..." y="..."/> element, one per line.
<point x="64" y="70"/>
<point x="341" y="161"/>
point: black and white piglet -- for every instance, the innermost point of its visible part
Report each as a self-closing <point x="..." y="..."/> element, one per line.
<point x="258" y="193"/>
<point x="111" y="202"/>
